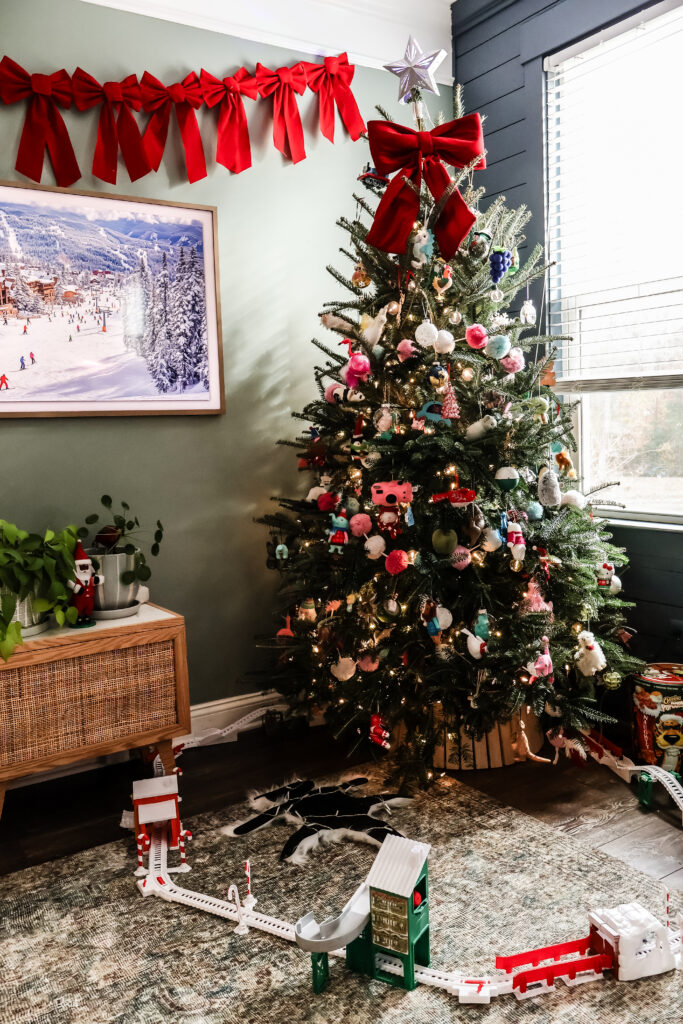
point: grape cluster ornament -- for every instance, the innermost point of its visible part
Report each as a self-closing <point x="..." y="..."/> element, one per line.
<point x="500" y="261"/>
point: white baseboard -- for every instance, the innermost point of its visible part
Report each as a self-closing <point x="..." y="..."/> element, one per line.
<point x="213" y="714"/>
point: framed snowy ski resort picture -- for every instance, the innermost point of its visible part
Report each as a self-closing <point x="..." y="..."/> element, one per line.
<point x="108" y="305"/>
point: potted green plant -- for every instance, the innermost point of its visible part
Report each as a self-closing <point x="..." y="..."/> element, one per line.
<point x="117" y="555"/>
<point x="35" y="572"/>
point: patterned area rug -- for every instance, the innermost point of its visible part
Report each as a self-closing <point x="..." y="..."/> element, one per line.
<point x="79" y="945"/>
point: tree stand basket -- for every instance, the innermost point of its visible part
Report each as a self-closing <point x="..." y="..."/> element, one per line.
<point x="497" y="748"/>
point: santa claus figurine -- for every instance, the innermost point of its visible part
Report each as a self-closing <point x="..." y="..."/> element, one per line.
<point x="83" y="586"/>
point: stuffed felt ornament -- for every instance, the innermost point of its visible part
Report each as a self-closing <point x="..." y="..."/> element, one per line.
<point x="357" y="370"/>
<point x="527" y="313"/>
<point x="498" y="346"/>
<point x="438" y="376"/>
<point x="360" y="524"/>
<point x="344" y="668"/>
<point x="607" y="579"/>
<point x="444" y="542"/>
<point x="533" y="600"/>
<point x="372" y="327"/>
<point x="475" y="645"/>
<point x="324" y="814"/>
<point x="589" y="657"/>
<point x="286" y="630"/>
<point x="491" y="539"/>
<point x="391" y="492"/>
<point x="379" y="734"/>
<point x="534" y="511"/>
<point x="429" y="617"/>
<point x="315" y="493"/>
<point x="368" y="663"/>
<point x="564" y="464"/>
<point x="443" y="281"/>
<point x="397" y="561"/>
<point x="351" y="505"/>
<point x="445" y="343"/>
<point x="538" y="406"/>
<point x="549" y="493"/>
<point x="337" y="394"/>
<point x="360" y="276"/>
<point x="338" y="532"/>
<point x="406" y="350"/>
<point x="500" y="261"/>
<point x="335" y="323"/>
<point x="572" y="746"/>
<point x="282" y="552"/>
<point x="422" y="241"/>
<point x="476" y="336"/>
<point x="480" y="428"/>
<point x="389" y="521"/>
<point x="457" y="497"/>
<point x="461" y="557"/>
<point x="307" y="612"/>
<point x="426" y="334"/>
<point x="574" y="498"/>
<point x="482" y="627"/>
<point x="327" y="502"/>
<point x="375" y="547"/>
<point x="507" y="478"/>
<point x="513" y="362"/>
<point x="542" y="666"/>
<point x="516" y="543"/>
<point x="450" y="410"/>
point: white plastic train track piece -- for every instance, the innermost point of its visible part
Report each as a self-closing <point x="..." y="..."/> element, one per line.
<point x="611" y="756"/>
<point x="335" y="932"/>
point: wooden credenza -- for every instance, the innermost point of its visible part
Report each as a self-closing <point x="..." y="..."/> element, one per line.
<point x="74" y="694"/>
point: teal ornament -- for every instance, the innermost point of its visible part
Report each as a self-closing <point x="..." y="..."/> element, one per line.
<point x="282" y="552"/>
<point x="535" y="511"/>
<point x="556" y="447"/>
<point x="481" y="626"/>
<point x="432" y="411"/>
<point x="507" y="478"/>
<point x="498" y="346"/>
<point x="378" y="351"/>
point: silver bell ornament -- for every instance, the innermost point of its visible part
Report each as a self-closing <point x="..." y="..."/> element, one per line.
<point x="527" y="314"/>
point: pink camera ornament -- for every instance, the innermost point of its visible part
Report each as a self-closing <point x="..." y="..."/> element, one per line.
<point x="392" y="492"/>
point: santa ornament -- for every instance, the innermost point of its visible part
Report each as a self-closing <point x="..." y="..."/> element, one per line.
<point x="83" y="587"/>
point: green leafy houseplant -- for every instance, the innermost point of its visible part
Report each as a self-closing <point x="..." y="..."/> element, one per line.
<point x="118" y="537"/>
<point x="36" y="566"/>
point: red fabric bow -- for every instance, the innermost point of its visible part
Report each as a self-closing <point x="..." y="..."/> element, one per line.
<point x="232" y="145"/>
<point x="332" y="81"/>
<point x="44" y="125"/>
<point x="157" y="100"/>
<point x="411" y="153"/>
<point x="116" y="126"/>
<point x="282" y="84"/>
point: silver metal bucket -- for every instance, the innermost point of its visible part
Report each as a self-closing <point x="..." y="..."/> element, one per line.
<point x="113" y="593"/>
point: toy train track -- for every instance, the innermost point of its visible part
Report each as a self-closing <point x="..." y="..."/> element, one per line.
<point x="609" y="754"/>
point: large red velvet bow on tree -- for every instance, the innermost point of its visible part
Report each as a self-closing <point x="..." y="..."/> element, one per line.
<point x="44" y="125"/>
<point x="116" y="126"/>
<point x="282" y="84"/>
<point x="232" y="145"/>
<point x="332" y="81"/>
<point x="186" y="98"/>
<point x="414" y="154"/>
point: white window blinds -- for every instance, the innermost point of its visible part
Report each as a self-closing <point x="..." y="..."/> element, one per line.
<point x="614" y="225"/>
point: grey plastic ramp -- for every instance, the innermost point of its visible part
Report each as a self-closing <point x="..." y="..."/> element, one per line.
<point x="335" y="932"/>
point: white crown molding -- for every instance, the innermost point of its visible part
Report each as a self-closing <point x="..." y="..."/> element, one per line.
<point x="319" y="27"/>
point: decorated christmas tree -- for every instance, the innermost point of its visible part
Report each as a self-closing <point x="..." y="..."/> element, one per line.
<point x="444" y="569"/>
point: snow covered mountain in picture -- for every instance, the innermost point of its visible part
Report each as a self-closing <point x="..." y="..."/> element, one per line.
<point x="105" y="304"/>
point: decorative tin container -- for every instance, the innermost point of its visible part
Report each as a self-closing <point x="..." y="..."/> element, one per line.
<point x="658" y="715"/>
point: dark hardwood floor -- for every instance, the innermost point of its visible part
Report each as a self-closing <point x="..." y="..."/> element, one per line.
<point x="62" y="816"/>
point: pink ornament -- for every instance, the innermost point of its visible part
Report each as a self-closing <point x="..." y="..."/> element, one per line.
<point x="360" y="524"/>
<point x="461" y="557"/>
<point x="327" y="502"/>
<point x="330" y="392"/>
<point x="368" y="663"/>
<point x="513" y="362"/>
<point x="405" y="350"/>
<point x="476" y="336"/>
<point x="396" y="562"/>
<point x="356" y="370"/>
<point x="533" y="600"/>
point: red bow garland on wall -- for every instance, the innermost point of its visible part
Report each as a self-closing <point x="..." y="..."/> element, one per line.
<point x="232" y="143"/>
<point x="116" y="125"/>
<point x="185" y="97"/>
<point x="332" y="80"/>
<point x="412" y="154"/>
<point x="44" y="126"/>
<point x="288" y="134"/>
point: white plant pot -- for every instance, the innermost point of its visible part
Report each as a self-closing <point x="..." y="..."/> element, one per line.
<point x="32" y="622"/>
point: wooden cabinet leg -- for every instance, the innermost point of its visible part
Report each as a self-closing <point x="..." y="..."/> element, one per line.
<point x="165" y="748"/>
<point x="3" y="788"/>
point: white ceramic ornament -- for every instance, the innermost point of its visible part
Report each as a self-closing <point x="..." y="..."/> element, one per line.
<point x="375" y="547"/>
<point x="527" y="313"/>
<point x="475" y="645"/>
<point x="549" y="492"/>
<point x="574" y="498"/>
<point x="491" y="539"/>
<point x="343" y="669"/>
<point x="614" y="584"/>
<point x="589" y="657"/>
<point x="426" y="334"/>
<point x="444" y="617"/>
<point x="476" y="430"/>
<point x="445" y="342"/>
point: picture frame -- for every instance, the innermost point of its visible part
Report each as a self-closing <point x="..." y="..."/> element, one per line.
<point x="109" y="305"/>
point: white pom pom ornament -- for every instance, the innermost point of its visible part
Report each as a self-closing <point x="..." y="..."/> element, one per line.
<point x="343" y="669"/>
<point x="375" y="547"/>
<point x="426" y="334"/>
<point x="444" y="343"/>
<point x="574" y="498"/>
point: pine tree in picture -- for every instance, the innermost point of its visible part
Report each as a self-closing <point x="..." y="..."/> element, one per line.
<point x="442" y="573"/>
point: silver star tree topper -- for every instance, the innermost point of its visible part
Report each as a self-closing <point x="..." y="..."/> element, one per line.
<point x="415" y="70"/>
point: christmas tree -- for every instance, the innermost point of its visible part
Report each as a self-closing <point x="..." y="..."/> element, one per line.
<point x="444" y="570"/>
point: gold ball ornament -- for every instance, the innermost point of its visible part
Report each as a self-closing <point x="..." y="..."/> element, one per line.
<point x="393" y="307"/>
<point x="612" y="680"/>
<point x="516" y="565"/>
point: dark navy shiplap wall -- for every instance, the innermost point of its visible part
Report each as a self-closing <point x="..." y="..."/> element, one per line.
<point x="498" y="51"/>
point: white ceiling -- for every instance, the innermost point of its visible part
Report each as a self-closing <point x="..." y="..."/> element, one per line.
<point x="373" y="32"/>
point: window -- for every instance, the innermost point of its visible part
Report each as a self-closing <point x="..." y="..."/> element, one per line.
<point x="614" y="178"/>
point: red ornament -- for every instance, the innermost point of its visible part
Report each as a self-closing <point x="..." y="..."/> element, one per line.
<point x="397" y="561"/>
<point x="458" y="496"/>
<point x="395" y="147"/>
<point x="332" y="80"/>
<point x="44" y="126"/>
<point x="116" y="126"/>
<point x="185" y="98"/>
<point x="389" y="521"/>
<point x="327" y="502"/>
<point x="288" y="135"/>
<point x="476" y="336"/>
<point x="379" y="733"/>
<point x="232" y="143"/>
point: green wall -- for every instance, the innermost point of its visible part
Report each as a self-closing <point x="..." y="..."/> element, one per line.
<point x="204" y="477"/>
